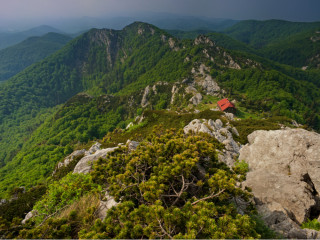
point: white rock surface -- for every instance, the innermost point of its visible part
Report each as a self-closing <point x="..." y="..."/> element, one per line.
<point x="216" y="129"/>
<point x="95" y="147"/>
<point x="196" y="99"/>
<point x="29" y="215"/>
<point x="85" y="164"/>
<point x="144" y="101"/>
<point x="284" y="177"/>
<point x="105" y="204"/>
<point x="69" y="159"/>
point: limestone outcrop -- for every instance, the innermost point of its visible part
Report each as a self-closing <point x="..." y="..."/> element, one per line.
<point x="284" y="177"/>
<point x="85" y="164"/>
<point x="69" y="159"/>
<point x="221" y="133"/>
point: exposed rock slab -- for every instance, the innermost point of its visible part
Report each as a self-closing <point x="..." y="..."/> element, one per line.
<point x="69" y="159"/>
<point x="105" y="204"/>
<point x="85" y="164"/>
<point x="221" y="133"/>
<point x="284" y="177"/>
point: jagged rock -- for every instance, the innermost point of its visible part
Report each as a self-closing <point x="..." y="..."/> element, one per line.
<point x="174" y="91"/>
<point x="129" y="125"/>
<point x="235" y="131"/>
<point x="197" y="126"/>
<point x="29" y="215"/>
<point x="191" y="90"/>
<point x="154" y="88"/>
<point x="105" y="204"/>
<point x="132" y="145"/>
<point x="144" y="101"/>
<point x="95" y="147"/>
<point x="69" y="159"/>
<point x="172" y="44"/>
<point x="230" y="116"/>
<point x="209" y="86"/>
<point x="218" y="124"/>
<point x="203" y="40"/>
<point x="284" y="176"/>
<point x="85" y="164"/>
<point x="215" y="129"/>
<point x="196" y="99"/>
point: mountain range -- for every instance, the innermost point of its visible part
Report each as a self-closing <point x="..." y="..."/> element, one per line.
<point x="108" y="86"/>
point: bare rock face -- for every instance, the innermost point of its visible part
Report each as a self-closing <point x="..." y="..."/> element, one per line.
<point x="144" y="101"/>
<point x="95" y="147"/>
<point x="69" y="159"/>
<point x="284" y="177"/>
<point x="105" y="204"/>
<point x="196" y="99"/>
<point x="94" y="153"/>
<point x="85" y="164"/>
<point x="205" y="81"/>
<point x="222" y="134"/>
<point x="29" y="215"/>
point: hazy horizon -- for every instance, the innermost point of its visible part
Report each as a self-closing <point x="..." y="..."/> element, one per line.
<point x="18" y="14"/>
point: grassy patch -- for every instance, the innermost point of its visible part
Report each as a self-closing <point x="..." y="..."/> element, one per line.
<point x="167" y="119"/>
<point x="247" y="126"/>
<point x="311" y="224"/>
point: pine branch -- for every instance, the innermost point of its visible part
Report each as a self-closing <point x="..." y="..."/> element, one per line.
<point x="209" y="197"/>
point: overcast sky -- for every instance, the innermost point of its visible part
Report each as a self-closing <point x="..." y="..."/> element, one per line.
<point x="294" y="10"/>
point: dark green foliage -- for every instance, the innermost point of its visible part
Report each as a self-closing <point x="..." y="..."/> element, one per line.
<point x="168" y="119"/>
<point x="273" y="92"/>
<point x="62" y="193"/>
<point x="248" y="126"/>
<point x="16" y="58"/>
<point x="261" y="33"/>
<point x="291" y="43"/>
<point x="311" y="224"/>
<point x="298" y="50"/>
<point x="10" y="38"/>
<point x="263" y="230"/>
<point x="22" y="203"/>
<point x="82" y="119"/>
<point x="165" y="194"/>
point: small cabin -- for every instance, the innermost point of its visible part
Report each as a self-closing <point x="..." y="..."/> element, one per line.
<point x="226" y="106"/>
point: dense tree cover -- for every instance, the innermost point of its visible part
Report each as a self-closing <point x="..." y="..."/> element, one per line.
<point x="16" y="58"/>
<point x="172" y="186"/>
<point x="292" y="43"/>
<point x="124" y="63"/>
<point x="27" y="99"/>
<point x="9" y="38"/>
<point x="298" y="50"/>
<point x="82" y="119"/>
<point x="273" y="92"/>
<point x="261" y="33"/>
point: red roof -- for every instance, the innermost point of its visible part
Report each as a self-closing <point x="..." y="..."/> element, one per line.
<point x="224" y="104"/>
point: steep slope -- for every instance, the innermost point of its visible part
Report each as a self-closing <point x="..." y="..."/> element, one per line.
<point x="143" y="68"/>
<point x="261" y="33"/>
<point x="16" y="58"/>
<point x="300" y="50"/>
<point x="85" y="63"/>
<point x="11" y="38"/>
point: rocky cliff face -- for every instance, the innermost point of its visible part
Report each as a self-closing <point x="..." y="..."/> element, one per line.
<point x="284" y="177"/>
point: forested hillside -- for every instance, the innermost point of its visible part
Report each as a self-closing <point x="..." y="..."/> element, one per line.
<point x="293" y="43"/>
<point x="16" y="58"/>
<point x="109" y="86"/>
<point x="11" y="38"/>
